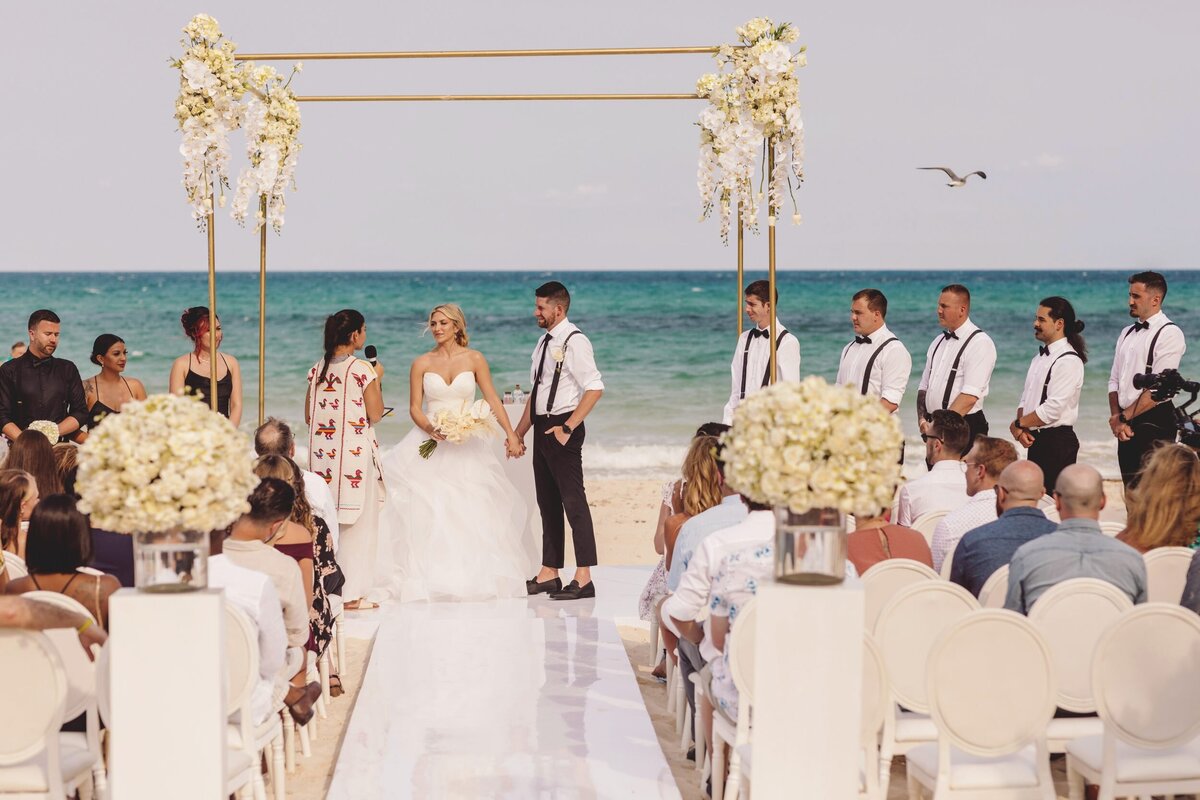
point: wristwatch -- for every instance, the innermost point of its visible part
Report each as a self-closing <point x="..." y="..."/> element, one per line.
<point x="567" y="429"/>
<point x="1122" y="418"/>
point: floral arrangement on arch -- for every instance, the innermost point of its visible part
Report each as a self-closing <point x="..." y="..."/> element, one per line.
<point x="753" y="104"/>
<point x="272" y="124"/>
<point x="165" y="463"/>
<point x="814" y="445"/>
<point x="208" y="109"/>
<point x="475" y="421"/>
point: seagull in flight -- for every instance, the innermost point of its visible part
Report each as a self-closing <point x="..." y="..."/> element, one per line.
<point x="956" y="181"/>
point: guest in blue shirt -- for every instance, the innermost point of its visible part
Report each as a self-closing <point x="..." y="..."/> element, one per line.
<point x="989" y="547"/>
<point x="1078" y="549"/>
<point x="729" y="512"/>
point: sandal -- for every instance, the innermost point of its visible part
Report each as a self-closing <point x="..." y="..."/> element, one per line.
<point x="335" y="686"/>
<point x="361" y="605"/>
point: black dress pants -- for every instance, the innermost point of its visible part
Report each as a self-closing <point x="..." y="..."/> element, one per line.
<point x="977" y="425"/>
<point x="1054" y="449"/>
<point x="1149" y="430"/>
<point x="558" y="478"/>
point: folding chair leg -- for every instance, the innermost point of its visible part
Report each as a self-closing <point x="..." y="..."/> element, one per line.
<point x="305" y="745"/>
<point x="339" y="636"/>
<point x="278" y="769"/>
<point x="685" y="737"/>
<point x="718" y="768"/>
<point x="323" y="672"/>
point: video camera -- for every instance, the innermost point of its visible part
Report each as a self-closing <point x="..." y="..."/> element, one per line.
<point x="1164" y="386"/>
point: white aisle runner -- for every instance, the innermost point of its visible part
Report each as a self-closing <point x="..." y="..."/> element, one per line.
<point x="522" y="698"/>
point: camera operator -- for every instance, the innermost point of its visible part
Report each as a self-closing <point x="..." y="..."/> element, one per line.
<point x="1153" y="343"/>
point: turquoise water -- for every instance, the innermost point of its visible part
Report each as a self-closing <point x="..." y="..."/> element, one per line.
<point x="663" y="339"/>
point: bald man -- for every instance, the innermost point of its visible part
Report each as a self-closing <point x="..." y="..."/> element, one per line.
<point x="1019" y="521"/>
<point x="1078" y="549"/>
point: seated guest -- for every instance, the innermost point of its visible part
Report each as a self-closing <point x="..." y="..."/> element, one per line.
<point x="875" y="539"/>
<point x="66" y="463"/>
<point x="704" y="490"/>
<point x="989" y="547"/>
<point x="986" y="460"/>
<point x="944" y="487"/>
<point x="254" y="594"/>
<point x="59" y="543"/>
<point x="1163" y="503"/>
<point x="20" y="614"/>
<point x="1191" y="589"/>
<point x="108" y="390"/>
<point x="18" y="497"/>
<point x="275" y="438"/>
<point x="33" y="453"/>
<point x="1077" y="549"/>
<point x="248" y="546"/>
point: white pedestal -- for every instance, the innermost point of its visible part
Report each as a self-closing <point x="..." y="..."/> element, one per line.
<point x="167" y="689"/>
<point x="808" y="683"/>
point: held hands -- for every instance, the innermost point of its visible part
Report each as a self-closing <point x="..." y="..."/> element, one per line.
<point x="514" y="447"/>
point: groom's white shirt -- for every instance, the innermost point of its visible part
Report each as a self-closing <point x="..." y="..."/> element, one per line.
<point x="579" y="372"/>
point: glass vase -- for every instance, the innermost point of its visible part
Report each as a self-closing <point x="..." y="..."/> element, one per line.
<point x="810" y="547"/>
<point x="170" y="561"/>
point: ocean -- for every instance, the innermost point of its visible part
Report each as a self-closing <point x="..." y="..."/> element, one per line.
<point x="663" y="340"/>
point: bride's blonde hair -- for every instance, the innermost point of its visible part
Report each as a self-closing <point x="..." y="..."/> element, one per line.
<point x="455" y="314"/>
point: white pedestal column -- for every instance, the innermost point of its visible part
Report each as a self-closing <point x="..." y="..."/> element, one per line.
<point x="808" y="683"/>
<point x="167" y="695"/>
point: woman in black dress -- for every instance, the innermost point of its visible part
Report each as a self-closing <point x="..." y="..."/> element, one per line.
<point x="108" y="390"/>
<point x="193" y="371"/>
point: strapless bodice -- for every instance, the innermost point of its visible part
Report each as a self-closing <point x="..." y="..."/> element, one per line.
<point x="454" y="395"/>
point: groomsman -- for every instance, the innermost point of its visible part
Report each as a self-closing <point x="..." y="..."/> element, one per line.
<point x="1050" y="401"/>
<point x="876" y="362"/>
<point x="958" y="365"/>
<point x="1151" y="344"/>
<point x="751" y="366"/>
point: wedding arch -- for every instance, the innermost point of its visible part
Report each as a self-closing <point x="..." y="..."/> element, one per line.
<point x="753" y="107"/>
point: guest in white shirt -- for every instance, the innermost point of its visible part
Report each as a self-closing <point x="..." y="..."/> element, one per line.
<point x="751" y="365"/>
<point x="958" y="364"/>
<point x="944" y="487"/>
<point x="985" y="461"/>
<point x="876" y="362"/>
<point x="1152" y="344"/>
<point x="1045" y="421"/>
<point x="274" y="438"/>
<point x="248" y="546"/>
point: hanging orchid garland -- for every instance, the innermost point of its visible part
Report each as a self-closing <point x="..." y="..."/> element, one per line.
<point x="211" y="84"/>
<point x="753" y="103"/>
<point x="272" y="124"/>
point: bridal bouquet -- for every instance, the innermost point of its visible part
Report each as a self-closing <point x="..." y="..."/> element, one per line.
<point x="46" y="428"/>
<point x="471" y="422"/>
<point x="164" y="463"/>
<point x="814" y="445"/>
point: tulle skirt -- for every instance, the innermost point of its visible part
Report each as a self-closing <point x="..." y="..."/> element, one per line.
<point x="455" y="523"/>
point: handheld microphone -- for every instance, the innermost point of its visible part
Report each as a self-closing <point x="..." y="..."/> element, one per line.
<point x="372" y="354"/>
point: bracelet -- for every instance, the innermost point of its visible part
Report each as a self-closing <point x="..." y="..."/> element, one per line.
<point x="87" y="623"/>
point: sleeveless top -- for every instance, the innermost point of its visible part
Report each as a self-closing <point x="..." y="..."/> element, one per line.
<point x="199" y="385"/>
<point x="99" y="410"/>
<point x="95" y="605"/>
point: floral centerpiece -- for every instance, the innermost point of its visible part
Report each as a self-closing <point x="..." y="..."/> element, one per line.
<point x="470" y="422"/>
<point x="166" y="470"/>
<point x="814" y="451"/>
<point x="753" y="104"/>
<point x="211" y="84"/>
<point x="272" y="124"/>
<point x="46" y="428"/>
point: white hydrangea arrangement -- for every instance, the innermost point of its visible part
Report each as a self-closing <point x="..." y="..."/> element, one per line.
<point x="753" y="104"/>
<point x="814" y="445"/>
<point x="211" y="84"/>
<point x="46" y="428"/>
<point x="272" y="124"/>
<point x="474" y="421"/>
<point x="163" y="463"/>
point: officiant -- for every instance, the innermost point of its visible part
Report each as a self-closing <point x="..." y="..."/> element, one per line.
<point x="751" y="366"/>
<point x="38" y="386"/>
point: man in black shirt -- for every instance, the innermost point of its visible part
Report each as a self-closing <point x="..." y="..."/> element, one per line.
<point x="39" y="386"/>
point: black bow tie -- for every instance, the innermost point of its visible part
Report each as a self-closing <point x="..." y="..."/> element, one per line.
<point x="949" y="334"/>
<point x="1044" y="351"/>
<point x="862" y="339"/>
<point x="1141" y="326"/>
<point x="763" y="332"/>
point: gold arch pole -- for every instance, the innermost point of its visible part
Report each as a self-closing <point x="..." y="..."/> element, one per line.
<point x="551" y="52"/>
<point x="212" y="299"/>
<point x="741" y="280"/>
<point x="262" y="309"/>
<point x="772" y="292"/>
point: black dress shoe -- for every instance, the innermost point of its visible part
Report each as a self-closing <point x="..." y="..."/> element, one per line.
<point x="574" y="591"/>
<point x="545" y="587"/>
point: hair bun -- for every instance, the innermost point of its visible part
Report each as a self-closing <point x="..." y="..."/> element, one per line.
<point x="1079" y="326"/>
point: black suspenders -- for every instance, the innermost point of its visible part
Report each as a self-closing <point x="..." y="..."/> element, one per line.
<point x="1046" y="385"/>
<point x="866" y="381"/>
<point x="554" y="382"/>
<point x="746" y="362"/>
<point x="954" y="366"/>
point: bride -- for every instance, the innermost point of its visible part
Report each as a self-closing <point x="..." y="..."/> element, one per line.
<point x="456" y="521"/>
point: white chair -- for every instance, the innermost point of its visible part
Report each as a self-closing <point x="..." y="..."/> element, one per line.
<point x="878" y="716"/>
<point x="740" y="645"/>
<point x="1166" y="573"/>
<point x="947" y="563"/>
<point x="1052" y="514"/>
<point x="995" y="589"/>
<point x="14" y="565"/>
<point x="884" y="579"/>
<point x="36" y="760"/>
<point x="905" y="633"/>
<point x="1111" y="527"/>
<point x="246" y="739"/>
<point x="927" y="522"/>
<point x="1072" y="616"/>
<point x="991" y="689"/>
<point x="1144" y="683"/>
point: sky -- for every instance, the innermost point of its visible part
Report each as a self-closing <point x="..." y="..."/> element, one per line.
<point x="1082" y="113"/>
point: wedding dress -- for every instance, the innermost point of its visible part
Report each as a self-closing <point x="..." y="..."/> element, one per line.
<point x="456" y="522"/>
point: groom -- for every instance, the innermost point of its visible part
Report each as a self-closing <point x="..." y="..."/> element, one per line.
<point x="566" y="387"/>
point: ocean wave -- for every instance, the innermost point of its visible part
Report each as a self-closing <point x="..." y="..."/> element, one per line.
<point x="634" y="460"/>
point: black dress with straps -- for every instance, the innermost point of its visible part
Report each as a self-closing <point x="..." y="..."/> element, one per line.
<point x="99" y="410"/>
<point x="199" y="385"/>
